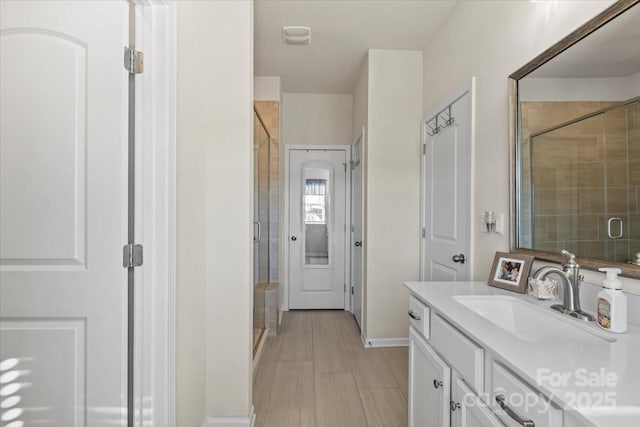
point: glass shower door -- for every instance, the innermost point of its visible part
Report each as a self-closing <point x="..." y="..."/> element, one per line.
<point x="260" y="222"/>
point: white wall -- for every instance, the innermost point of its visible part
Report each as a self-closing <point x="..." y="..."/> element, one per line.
<point x="578" y="89"/>
<point x="214" y="260"/>
<point x="392" y="176"/>
<point x="266" y="88"/>
<point x="492" y="48"/>
<point x="634" y="81"/>
<point x="316" y="119"/>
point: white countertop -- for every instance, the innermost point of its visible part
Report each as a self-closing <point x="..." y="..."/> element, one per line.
<point x="579" y="361"/>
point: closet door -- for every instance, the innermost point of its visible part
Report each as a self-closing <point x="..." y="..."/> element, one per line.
<point x="63" y="212"/>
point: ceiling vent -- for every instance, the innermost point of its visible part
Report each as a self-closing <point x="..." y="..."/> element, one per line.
<point x="296" y="35"/>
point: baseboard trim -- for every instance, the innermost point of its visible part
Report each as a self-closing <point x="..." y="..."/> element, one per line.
<point x="248" y="421"/>
<point x="258" y="356"/>
<point x="385" y="342"/>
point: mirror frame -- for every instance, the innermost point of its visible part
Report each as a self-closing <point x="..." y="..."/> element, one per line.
<point x="574" y="37"/>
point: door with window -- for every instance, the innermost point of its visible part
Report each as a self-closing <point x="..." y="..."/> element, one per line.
<point x="317" y="228"/>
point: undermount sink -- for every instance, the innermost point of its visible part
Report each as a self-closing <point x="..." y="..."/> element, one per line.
<point x="528" y="322"/>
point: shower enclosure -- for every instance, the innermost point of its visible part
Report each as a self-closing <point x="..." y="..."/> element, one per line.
<point x="585" y="192"/>
<point x="265" y="221"/>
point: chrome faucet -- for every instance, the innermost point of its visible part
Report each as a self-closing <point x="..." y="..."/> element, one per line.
<point x="570" y="277"/>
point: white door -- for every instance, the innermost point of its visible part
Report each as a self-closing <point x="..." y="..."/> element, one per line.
<point x="446" y="194"/>
<point x="356" y="230"/>
<point x="317" y="228"/>
<point x="63" y="212"/>
<point x="429" y="385"/>
<point x="468" y="410"/>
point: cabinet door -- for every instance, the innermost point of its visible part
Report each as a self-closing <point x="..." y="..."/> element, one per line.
<point x="467" y="410"/>
<point x="429" y="385"/>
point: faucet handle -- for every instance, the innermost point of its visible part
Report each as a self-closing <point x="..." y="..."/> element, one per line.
<point x="570" y="256"/>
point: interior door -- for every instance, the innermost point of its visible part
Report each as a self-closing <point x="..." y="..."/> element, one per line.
<point x="429" y="385"/>
<point x="317" y="228"/>
<point x="356" y="230"/>
<point x="63" y="212"/>
<point x="446" y="199"/>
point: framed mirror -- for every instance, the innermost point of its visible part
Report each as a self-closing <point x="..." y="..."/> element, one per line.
<point x="575" y="145"/>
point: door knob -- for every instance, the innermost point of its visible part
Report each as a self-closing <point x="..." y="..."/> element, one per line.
<point x="357" y="244"/>
<point x="294" y="238"/>
<point x="459" y="258"/>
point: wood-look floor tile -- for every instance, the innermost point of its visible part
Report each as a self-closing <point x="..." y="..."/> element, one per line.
<point x="350" y="333"/>
<point x="296" y="321"/>
<point x="398" y="360"/>
<point x="286" y="418"/>
<point x="329" y="356"/>
<point x="370" y="369"/>
<point x="262" y="385"/>
<point x="384" y="407"/>
<point x="338" y="402"/>
<point x="293" y="386"/>
<point x="325" y="326"/>
<point x="291" y="346"/>
<point x="316" y="372"/>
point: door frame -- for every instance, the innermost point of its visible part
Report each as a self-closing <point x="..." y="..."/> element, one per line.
<point x="285" y="234"/>
<point x="360" y="137"/>
<point x="470" y="88"/>
<point x="155" y="201"/>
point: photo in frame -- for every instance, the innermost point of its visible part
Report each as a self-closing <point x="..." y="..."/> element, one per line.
<point x="511" y="271"/>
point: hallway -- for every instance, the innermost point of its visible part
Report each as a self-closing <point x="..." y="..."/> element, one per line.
<point x="317" y="373"/>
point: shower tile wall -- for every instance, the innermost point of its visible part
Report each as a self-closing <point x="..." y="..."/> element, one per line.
<point x="633" y="116"/>
<point x="571" y="206"/>
<point x="535" y="117"/>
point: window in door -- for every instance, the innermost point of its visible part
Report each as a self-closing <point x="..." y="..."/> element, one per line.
<point x="316" y="216"/>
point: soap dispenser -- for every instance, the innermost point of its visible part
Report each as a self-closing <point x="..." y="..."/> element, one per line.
<point x="612" y="303"/>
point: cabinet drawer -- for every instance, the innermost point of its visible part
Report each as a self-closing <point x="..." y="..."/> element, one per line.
<point x="520" y="402"/>
<point x="463" y="355"/>
<point x="419" y="316"/>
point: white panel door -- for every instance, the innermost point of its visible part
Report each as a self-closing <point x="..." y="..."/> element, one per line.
<point x="317" y="228"/>
<point x="356" y="230"/>
<point x="429" y="384"/>
<point x="63" y="140"/>
<point x="446" y="201"/>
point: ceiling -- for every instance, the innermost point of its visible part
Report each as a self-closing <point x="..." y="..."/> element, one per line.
<point x="599" y="54"/>
<point x="341" y="33"/>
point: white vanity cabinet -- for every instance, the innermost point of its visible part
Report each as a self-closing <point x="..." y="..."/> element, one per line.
<point x="447" y="376"/>
<point x="429" y="384"/>
<point x="468" y="410"/>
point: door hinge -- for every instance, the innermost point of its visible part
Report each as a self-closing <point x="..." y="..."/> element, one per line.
<point x="133" y="61"/>
<point x="352" y="290"/>
<point x="424" y="233"/>
<point x="424" y="148"/>
<point x="131" y="255"/>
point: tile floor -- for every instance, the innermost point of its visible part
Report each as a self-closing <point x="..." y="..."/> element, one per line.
<point x="317" y="373"/>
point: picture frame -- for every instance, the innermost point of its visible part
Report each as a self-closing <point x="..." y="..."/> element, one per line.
<point x="510" y="271"/>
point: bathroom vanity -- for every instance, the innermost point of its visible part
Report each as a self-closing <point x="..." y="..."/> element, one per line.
<point x="481" y="356"/>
